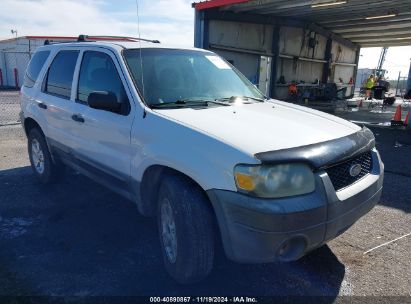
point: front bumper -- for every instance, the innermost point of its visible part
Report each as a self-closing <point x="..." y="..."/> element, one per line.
<point x="256" y="230"/>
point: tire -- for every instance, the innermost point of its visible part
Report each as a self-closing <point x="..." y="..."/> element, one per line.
<point x="191" y="227"/>
<point x="43" y="166"/>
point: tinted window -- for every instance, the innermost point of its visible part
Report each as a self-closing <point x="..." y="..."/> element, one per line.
<point x="35" y="67"/>
<point x="98" y="73"/>
<point x="169" y="75"/>
<point x="60" y="74"/>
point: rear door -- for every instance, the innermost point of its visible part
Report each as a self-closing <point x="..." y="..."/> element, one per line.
<point x="30" y="104"/>
<point x="103" y="145"/>
<point x="56" y="99"/>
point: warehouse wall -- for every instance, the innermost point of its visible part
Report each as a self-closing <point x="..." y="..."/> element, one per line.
<point x="16" y="54"/>
<point x="342" y="55"/>
<point x="293" y="43"/>
<point x="242" y="44"/>
<point x="256" y="37"/>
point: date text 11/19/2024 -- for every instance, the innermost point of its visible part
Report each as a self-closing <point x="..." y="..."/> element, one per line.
<point x="203" y="300"/>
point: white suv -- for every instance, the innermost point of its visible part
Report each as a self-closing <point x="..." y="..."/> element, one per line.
<point x="188" y="138"/>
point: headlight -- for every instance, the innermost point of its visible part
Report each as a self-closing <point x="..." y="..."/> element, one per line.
<point x="272" y="181"/>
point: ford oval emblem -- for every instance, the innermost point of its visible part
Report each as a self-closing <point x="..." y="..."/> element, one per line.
<point x="355" y="170"/>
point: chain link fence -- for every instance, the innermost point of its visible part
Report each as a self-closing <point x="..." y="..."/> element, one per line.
<point x="9" y="107"/>
<point x="13" y="65"/>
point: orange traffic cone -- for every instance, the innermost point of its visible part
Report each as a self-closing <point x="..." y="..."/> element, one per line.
<point x="360" y="104"/>
<point x="396" y="121"/>
<point x="407" y="119"/>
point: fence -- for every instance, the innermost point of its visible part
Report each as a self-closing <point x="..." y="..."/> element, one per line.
<point x="400" y="86"/>
<point x="13" y="66"/>
<point x="9" y="107"/>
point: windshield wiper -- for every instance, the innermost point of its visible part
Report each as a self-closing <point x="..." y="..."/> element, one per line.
<point x="186" y="103"/>
<point x="233" y="98"/>
<point x="180" y="103"/>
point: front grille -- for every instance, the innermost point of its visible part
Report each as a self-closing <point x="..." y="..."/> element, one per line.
<point x="340" y="173"/>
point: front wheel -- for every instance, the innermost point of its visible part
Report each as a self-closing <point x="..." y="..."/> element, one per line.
<point x="186" y="229"/>
<point x="41" y="162"/>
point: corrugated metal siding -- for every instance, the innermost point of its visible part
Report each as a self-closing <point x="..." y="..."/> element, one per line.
<point x="241" y="35"/>
<point x="16" y="54"/>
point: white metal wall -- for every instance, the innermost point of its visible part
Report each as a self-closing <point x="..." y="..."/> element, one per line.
<point x="342" y="57"/>
<point x="16" y="54"/>
<point x="241" y="43"/>
<point x="294" y="43"/>
<point x="244" y="43"/>
<point x="247" y="36"/>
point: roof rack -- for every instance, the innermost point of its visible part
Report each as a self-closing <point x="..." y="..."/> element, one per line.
<point x="49" y="41"/>
<point x="86" y="38"/>
<point x="83" y="38"/>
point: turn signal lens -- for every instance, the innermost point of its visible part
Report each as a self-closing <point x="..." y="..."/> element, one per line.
<point x="244" y="181"/>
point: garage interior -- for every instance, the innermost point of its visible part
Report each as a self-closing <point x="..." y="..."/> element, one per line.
<point x="311" y="44"/>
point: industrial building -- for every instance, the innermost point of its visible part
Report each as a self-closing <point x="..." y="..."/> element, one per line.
<point x="15" y="55"/>
<point x="277" y="43"/>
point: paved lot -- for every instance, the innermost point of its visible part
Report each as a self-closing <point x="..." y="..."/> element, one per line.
<point x="77" y="238"/>
<point x="372" y="112"/>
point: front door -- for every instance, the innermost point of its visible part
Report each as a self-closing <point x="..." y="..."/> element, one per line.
<point x="104" y="136"/>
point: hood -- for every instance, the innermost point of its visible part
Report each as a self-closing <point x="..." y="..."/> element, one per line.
<point x="263" y="126"/>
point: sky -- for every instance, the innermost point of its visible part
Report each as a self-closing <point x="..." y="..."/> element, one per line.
<point x="170" y="21"/>
<point x="397" y="60"/>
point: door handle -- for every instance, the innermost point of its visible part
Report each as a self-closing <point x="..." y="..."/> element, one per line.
<point x="42" y="105"/>
<point x="77" y="118"/>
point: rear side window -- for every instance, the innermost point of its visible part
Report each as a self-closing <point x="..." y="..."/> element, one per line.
<point x="98" y="73"/>
<point x="34" y="68"/>
<point x="60" y="74"/>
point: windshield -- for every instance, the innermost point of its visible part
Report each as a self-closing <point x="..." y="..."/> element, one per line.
<point x="172" y="75"/>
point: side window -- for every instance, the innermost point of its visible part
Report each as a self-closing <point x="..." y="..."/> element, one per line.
<point x="34" y="68"/>
<point x="98" y="73"/>
<point x="60" y="74"/>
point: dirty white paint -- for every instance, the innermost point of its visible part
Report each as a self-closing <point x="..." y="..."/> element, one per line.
<point x="387" y="243"/>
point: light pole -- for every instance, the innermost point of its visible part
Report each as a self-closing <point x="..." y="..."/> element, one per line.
<point x="409" y="79"/>
<point x="14" y="32"/>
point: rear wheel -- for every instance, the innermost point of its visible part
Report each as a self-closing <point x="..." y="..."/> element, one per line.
<point x="41" y="162"/>
<point x="186" y="229"/>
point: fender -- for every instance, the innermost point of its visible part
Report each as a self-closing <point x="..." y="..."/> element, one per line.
<point x="158" y="140"/>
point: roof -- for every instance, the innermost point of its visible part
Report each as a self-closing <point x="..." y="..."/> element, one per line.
<point x="68" y="38"/>
<point x="119" y="45"/>
<point x="368" y="23"/>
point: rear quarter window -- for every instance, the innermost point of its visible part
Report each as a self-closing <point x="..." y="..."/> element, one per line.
<point x="34" y="68"/>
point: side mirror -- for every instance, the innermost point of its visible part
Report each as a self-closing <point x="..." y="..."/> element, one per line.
<point x="103" y="100"/>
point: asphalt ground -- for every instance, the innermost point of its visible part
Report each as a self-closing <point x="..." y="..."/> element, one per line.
<point x="76" y="238"/>
<point x="372" y="112"/>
